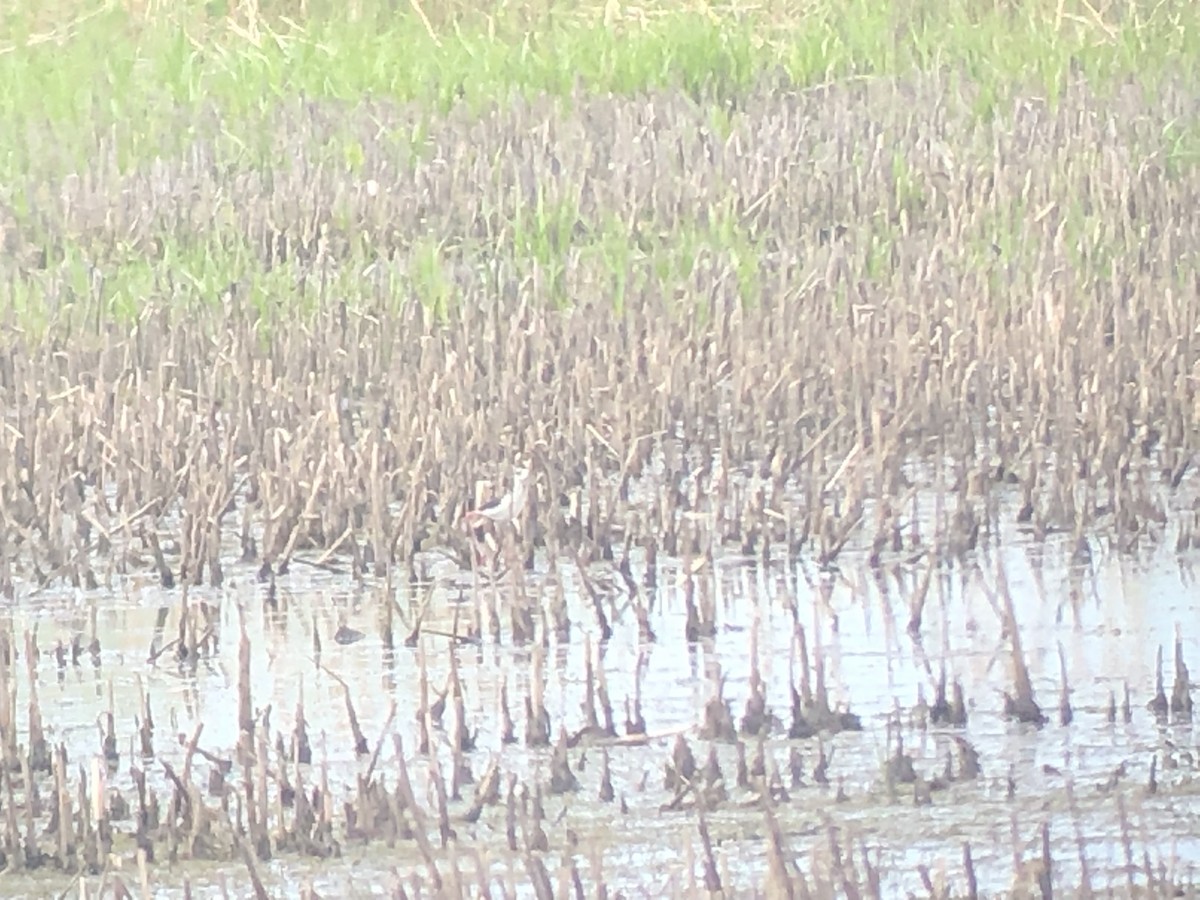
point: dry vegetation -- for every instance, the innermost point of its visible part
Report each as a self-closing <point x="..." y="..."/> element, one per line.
<point x="885" y="319"/>
<point x="777" y="322"/>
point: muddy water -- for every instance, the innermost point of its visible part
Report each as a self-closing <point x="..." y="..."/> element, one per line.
<point x="1106" y="618"/>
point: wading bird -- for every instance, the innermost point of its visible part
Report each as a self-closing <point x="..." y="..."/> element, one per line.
<point x="483" y="521"/>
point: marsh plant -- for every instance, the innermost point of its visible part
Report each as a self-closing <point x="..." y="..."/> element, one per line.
<point x="877" y="325"/>
<point x="779" y="337"/>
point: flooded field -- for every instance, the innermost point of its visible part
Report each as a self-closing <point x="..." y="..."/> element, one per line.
<point x="631" y="497"/>
<point x="1088" y="780"/>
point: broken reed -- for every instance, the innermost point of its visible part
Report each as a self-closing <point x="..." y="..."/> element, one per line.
<point x="271" y="796"/>
<point x="287" y="802"/>
<point x="789" y="328"/>
<point x="778" y="312"/>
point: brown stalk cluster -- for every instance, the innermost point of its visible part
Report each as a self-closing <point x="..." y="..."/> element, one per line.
<point x="858" y="322"/>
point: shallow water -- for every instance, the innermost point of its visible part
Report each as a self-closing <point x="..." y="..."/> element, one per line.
<point x="1108" y="618"/>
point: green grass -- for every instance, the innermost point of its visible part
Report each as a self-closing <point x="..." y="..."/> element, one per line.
<point x="94" y="78"/>
<point x="142" y="79"/>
